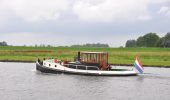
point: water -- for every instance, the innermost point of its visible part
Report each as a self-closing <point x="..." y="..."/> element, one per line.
<point x="20" y="81"/>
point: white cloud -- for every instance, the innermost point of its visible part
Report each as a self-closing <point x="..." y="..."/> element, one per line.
<point x="165" y="10"/>
<point x="85" y="10"/>
<point x="112" y="10"/>
<point x="37" y="10"/>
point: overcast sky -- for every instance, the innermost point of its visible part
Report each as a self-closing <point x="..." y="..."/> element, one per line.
<point x="67" y="22"/>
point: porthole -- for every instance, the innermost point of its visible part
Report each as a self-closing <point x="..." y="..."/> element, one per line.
<point x="49" y="64"/>
<point x="55" y="65"/>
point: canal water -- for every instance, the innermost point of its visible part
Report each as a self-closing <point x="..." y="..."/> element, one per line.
<point x="21" y="81"/>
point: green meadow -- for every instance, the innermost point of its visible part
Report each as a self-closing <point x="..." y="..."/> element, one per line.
<point x="117" y="56"/>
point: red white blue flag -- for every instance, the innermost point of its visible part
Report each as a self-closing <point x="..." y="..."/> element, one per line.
<point x="138" y="66"/>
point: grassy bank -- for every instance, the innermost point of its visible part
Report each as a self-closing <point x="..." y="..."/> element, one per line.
<point x="149" y="56"/>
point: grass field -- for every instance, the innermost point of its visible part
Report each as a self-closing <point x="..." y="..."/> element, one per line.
<point x="120" y="56"/>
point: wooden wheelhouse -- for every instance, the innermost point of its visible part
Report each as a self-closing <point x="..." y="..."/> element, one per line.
<point x="99" y="59"/>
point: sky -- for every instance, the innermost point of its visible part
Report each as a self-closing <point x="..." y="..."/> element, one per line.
<point x="68" y="22"/>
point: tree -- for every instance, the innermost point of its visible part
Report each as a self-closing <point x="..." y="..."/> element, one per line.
<point x="3" y="43"/>
<point x="140" y="42"/>
<point x="161" y="42"/>
<point x="131" y="43"/>
<point x="148" y="40"/>
<point x="151" y="39"/>
<point x="164" y="41"/>
<point x="167" y="40"/>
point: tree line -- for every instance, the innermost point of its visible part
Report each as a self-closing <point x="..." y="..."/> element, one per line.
<point x="91" y="45"/>
<point x="150" y="40"/>
<point x="84" y="45"/>
<point x="3" y="43"/>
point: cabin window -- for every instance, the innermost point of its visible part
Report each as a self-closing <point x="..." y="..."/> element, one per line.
<point x="72" y="66"/>
<point x="92" y="68"/>
<point x="81" y="67"/>
<point x="55" y="65"/>
<point x="49" y="64"/>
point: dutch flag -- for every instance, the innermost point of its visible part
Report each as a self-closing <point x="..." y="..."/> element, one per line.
<point x="138" y="66"/>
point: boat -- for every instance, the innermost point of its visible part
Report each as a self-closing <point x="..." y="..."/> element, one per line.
<point x="87" y="63"/>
